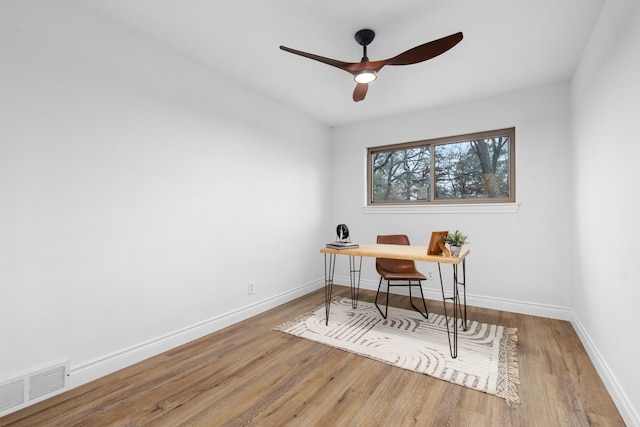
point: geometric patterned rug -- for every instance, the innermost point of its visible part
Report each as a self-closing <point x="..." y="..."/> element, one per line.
<point x="487" y="358"/>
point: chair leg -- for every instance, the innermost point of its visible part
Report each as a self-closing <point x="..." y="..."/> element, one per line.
<point x="386" y="307"/>
<point x="426" y="312"/>
<point x="386" y="310"/>
<point x="384" y="316"/>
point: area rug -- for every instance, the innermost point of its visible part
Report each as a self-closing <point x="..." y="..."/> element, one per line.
<point x="487" y="359"/>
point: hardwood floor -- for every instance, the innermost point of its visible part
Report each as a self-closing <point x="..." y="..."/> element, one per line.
<point x="248" y="374"/>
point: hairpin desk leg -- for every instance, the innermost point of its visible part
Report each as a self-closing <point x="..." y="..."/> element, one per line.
<point x="457" y="305"/>
<point x="329" y="269"/>
<point x="354" y="279"/>
<point x="463" y="283"/>
<point x="455" y="299"/>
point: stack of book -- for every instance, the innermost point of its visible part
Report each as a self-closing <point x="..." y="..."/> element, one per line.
<point x="342" y="245"/>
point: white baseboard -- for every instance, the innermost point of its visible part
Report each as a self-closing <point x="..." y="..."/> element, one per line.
<point x="628" y="412"/>
<point x="430" y="292"/>
<point x="95" y="369"/>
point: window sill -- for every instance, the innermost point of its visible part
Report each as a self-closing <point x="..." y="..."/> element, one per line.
<point x="480" y="208"/>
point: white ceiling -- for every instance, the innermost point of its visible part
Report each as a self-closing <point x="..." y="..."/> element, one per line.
<point x="508" y="45"/>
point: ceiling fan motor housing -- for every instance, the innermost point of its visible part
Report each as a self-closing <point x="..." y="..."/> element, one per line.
<point x="364" y="37"/>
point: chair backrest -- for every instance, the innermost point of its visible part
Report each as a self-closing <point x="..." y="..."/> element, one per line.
<point x="393" y="239"/>
<point x="387" y="265"/>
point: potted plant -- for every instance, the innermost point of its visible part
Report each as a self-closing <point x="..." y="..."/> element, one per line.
<point x="455" y="241"/>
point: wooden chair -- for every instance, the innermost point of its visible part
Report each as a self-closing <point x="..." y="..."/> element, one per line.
<point x="398" y="270"/>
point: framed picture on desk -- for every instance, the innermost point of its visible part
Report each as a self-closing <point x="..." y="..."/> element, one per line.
<point x="436" y="244"/>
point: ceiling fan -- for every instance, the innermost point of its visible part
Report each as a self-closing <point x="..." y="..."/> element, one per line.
<point x="365" y="71"/>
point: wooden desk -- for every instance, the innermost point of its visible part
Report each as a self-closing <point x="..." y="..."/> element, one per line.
<point x="415" y="253"/>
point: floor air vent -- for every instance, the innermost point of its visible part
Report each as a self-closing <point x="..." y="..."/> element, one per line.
<point x="35" y="386"/>
<point x="11" y="395"/>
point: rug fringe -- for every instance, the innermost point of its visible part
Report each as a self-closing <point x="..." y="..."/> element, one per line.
<point x="286" y="325"/>
<point x="513" y="371"/>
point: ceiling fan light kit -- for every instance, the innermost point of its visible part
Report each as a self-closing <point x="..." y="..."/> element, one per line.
<point x="365" y="76"/>
<point x="365" y="71"/>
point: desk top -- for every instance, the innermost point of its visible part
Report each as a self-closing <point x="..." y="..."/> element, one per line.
<point x="416" y="253"/>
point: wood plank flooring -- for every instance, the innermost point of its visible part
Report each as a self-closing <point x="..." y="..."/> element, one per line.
<point x="248" y="374"/>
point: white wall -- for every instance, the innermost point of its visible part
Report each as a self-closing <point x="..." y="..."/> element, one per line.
<point x="139" y="194"/>
<point x="606" y="155"/>
<point x="514" y="262"/>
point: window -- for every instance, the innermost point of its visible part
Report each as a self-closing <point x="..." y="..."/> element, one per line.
<point x="474" y="168"/>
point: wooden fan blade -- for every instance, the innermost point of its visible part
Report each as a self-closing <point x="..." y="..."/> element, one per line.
<point x="360" y="91"/>
<point x="426" y="51"/>
<point x="333" y="62"/>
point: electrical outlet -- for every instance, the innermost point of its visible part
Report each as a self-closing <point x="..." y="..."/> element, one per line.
<point x="429" y="274"/>
<point x="250" y="288"/>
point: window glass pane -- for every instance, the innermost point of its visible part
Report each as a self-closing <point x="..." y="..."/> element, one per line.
<point x="401" y="175"/>
<point x="476" y="169"/>
<point x="472" y="168"/>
